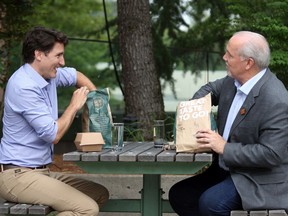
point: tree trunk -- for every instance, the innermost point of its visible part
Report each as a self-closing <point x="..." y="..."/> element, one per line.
<point x="142" y="90"/>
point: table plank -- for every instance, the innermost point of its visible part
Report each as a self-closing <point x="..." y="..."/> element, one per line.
<point x="114" y="155"/>
<point x="185" y="157"/>
<point x="150" y="154"/>
<point x="132" y="154"/>
<point x="166" y="156"/>
<point x="72" y="156"/>
<point x="203" y="157"/>
<point x="93" y="156"/>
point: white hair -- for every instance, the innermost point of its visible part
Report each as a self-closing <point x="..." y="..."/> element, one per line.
<point x="256" y="47"/>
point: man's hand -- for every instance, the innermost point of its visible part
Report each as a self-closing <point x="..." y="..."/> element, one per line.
<point x="210" y="139"/>
<point x="77" y="101"/>
<point x="79" y="98"/>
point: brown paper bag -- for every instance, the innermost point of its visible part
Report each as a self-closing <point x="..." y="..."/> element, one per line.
<point x="192" y="116"/>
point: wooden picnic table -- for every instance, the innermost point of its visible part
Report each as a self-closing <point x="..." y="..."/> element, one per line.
<point x="141" y="158"/>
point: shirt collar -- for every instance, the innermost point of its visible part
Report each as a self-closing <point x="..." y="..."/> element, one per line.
<point x="34" y="75"/>
<point x="247" y="86"/>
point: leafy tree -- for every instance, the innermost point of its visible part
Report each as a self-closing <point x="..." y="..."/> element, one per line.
<point x="187" y="45"/>
<point x="167" y="19"/>
<point x="82" y="22"/>
<point x="13" y="24"/>
<point x="201" y="41"/>
<point x="214" y="22"/>
<point x="199" y="46"/>
<point x="270" y="18"/>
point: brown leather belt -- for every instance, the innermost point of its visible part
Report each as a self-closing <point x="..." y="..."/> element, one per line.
<point x="4" y="167"/>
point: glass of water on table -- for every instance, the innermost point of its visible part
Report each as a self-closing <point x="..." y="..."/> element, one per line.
<point x="159" y="133"/>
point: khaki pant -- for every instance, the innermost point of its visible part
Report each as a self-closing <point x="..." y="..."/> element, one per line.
<point x="66" y="194"/>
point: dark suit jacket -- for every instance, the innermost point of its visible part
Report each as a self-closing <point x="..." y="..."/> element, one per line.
<point x="257" y="148"/>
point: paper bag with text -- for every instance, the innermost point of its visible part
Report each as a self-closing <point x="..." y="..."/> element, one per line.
<point x="191" y="116"/>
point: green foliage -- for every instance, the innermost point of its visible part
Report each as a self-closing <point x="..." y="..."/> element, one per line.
<point x="199" y="47"/>
<point x="204" y="36"/>
<point x="167" y="17"/>
<point x="16" y="19"/>
<point x="83" y="22"/>
<point x="270" y="18"/>
<point x="166" y="21"/>
<point x="75" y="18"/>
<point x="13" y="24"/>
<point x="212" y="23"/>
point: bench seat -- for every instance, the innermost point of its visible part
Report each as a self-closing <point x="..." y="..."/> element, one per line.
<point x="9" y="208"/>
<point x="23" y="209"/>
<point x="259" y="213"/>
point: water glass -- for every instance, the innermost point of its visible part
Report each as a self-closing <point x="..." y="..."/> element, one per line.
<point x="117" y="136"/>
<point x="159" y="133"/>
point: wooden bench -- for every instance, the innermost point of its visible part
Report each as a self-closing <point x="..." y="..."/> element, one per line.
<point x="259" y="213"/>
<point x="8" y="208"/>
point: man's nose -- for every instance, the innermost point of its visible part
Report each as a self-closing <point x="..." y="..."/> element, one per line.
<point x="62" y="61"/>
<point x="224" y="57"/>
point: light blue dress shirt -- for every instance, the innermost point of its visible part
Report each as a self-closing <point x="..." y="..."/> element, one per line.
<point x="30" y="116"/>
<point x="241" y="94"/>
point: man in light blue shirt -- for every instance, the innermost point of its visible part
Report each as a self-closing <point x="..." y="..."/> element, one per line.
<point x="31" y="127"/>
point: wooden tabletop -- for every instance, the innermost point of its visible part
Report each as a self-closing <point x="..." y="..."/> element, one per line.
<point x="138" y="152"/>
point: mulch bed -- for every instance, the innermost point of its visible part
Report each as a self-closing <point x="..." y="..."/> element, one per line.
<point x="59" y="165"/>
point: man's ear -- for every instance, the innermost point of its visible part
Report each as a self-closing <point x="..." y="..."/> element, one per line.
<point x="250" y="63"/>
<point x="38" y="55"/>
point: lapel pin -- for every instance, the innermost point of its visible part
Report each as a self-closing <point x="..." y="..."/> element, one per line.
<point x="242" y="111"/>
